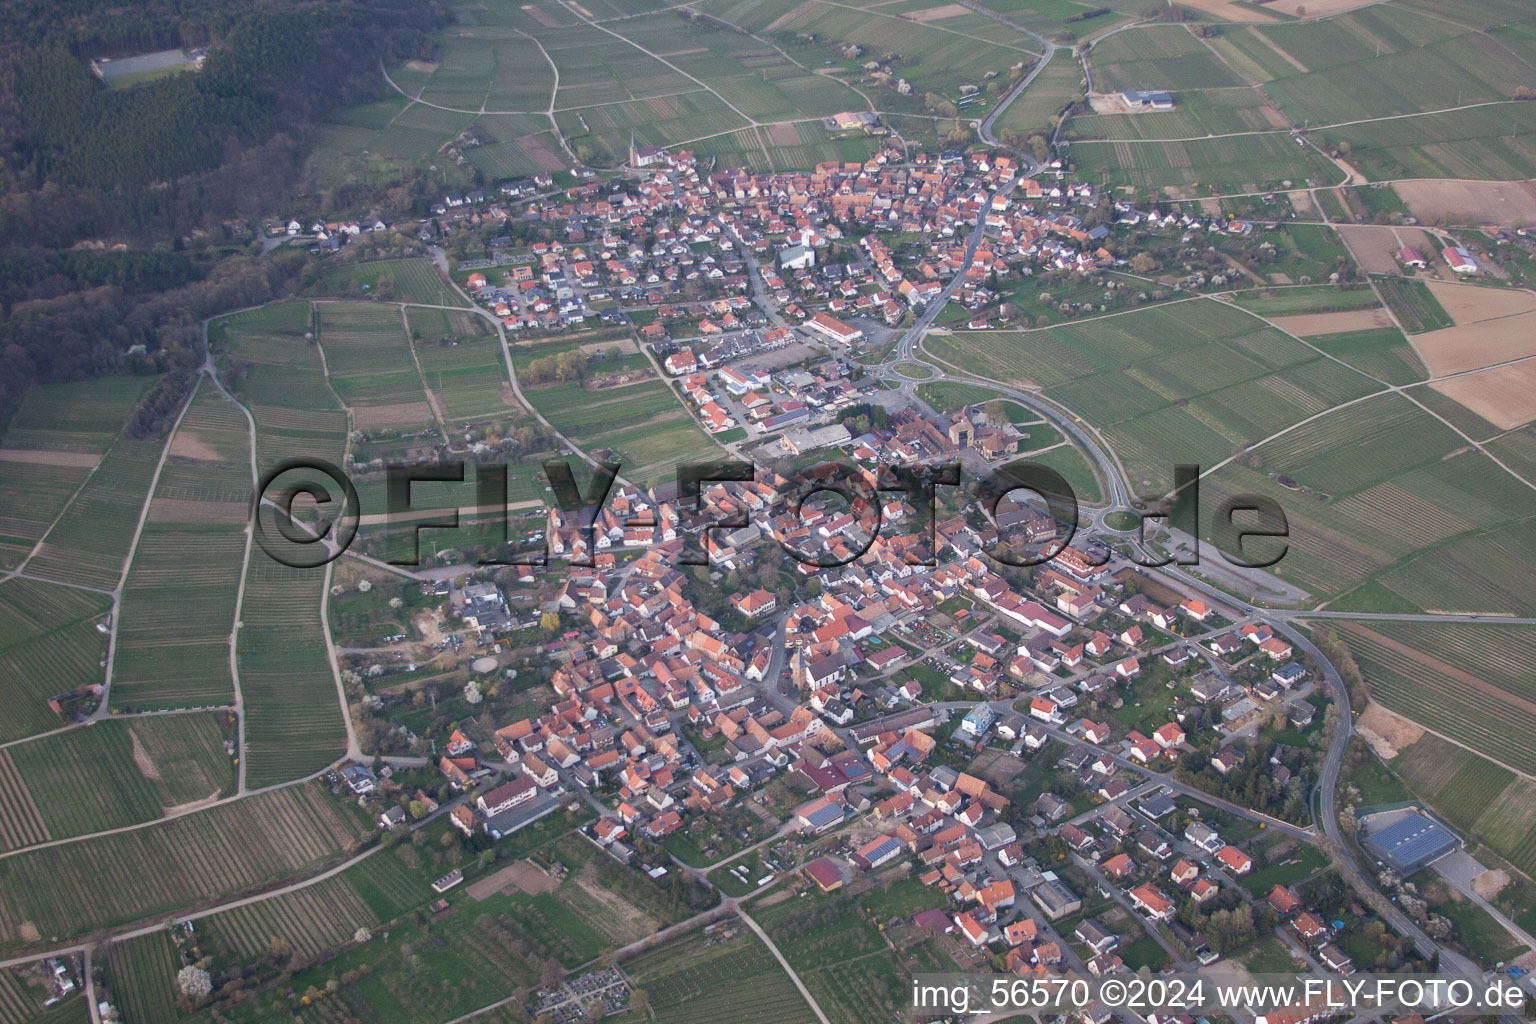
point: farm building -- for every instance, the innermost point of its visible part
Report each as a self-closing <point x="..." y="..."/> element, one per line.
<point x="881" y="851"/>
<point x="1459" y="260"/>
<point x="824" y="872"/>
<point x="1411" y="842"/>
<point x="1157" y="99"/>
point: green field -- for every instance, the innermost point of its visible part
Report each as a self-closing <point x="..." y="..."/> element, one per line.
<point x="179" y="599"/>
<point x="462" y="366"/>
<point x="1309" y="299"/>
<point x="49" y="644"/>
<point x="115" y="773"/>
<point x="141" y="975"/>
<point x="294" y="712"/>
<point x="410" y="280"/>
<point x="54" y="441"/>
<point x="1182" y="382"/>
<point x="1435" y="522"/>
<point x="1449" y="678"/>
<point x="1414" y="305"/>
<point x="685" y="979"/>
<point x="1382" y="352"/>
<point x="1057" y="85"/>
<point x="88" y="544"/>
<point x="102" y="881"/>
<point x="369" y="363"/>
<point x="645" y="423"/>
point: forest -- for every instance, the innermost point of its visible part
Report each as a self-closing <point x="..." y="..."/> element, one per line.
<point x="104" y="191"/>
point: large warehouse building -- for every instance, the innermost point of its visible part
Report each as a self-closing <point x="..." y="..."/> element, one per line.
<point x="1412" y="842"/>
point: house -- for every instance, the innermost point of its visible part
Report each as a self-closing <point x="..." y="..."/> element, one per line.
<point x="1095" y="936"/>
<point x="1310" y="927"/>
<point x="1169" y="736"/>
<point x="507" y="796"/>
<point x="392" y="818"/>
<point x="1235" y="860"/>
<point x="1184" y="872"/>
<point x="1151" y="901"/>
<point x="1119" y="867"/>
<point x="1284" y="901"/>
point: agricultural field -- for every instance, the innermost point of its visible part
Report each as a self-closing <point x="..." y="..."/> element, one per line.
<point x="370" y="365"/>
<point x="940" y="54"/>
<point x="269" y="359"/>
<point x="1449" y="678"/>
<point x="1382" y="352"/>
<point x="114" y="773"/>
<point x="684" y="980"/>
<point x="55" y="440"/>
<point x="89" y="543"/>
<point x="1414" y="305"/>
<point x="462" y="366"/>
<point x="1183" y="382"/>
<point x="1302" y="300"/>
<point x="1196" y="113"/>
<point x="644" y="423"/>
<point x="1158" y="57"/>
<point x="1362" y="506"/>
<point x="46" y="895"/>
<point x="1485" y="801"/>
<point x="836" y="946"/>
<point x="178" y="601"/>
<point x="1059" y="84"/>
<point x="141" y="976"/>
<point x="1246" y="163"/>
<point x="320" y="917"/>
<point x="294" y="712"/>
<point x="49" y="645"/>
<point x="412" y="280"/>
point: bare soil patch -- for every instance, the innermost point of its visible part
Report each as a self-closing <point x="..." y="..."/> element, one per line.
<point x="1503" y="395"/>
<point x="1504" y="203"/>
<point x="188" y="445"/>
<point x="141" y="759"/>
<point x="420" y="65"/>
<point x="1340" y="322"/>
<point x="1304" y="205"/>
<point x="84" y="460"/>
<point x="1476" y="345"/>
<point x="28" y="932"/>
<point x="187" y="510"/>
<point x="1226" y="10"/>
<point x="524" y="875"/>
<point x="624" y="916"/>
<point x="1283" y="54"/>
<point x="1375" y="247"/>
<point x="1490" y="882"/>
<point x="928" y="14"/>
<point x="192" y="805"/>
<point x="1471" y="303"/>
<point x="545" y="157"/>
<point x="541" y="16"/>
<point x="783" y="135"/>
<point x="366" y="416"/>
<point x="1387" y="733"/>
<point x="625" y="346"/>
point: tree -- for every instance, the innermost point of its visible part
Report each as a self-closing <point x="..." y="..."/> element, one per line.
<point x="550" y="974"/>
<point x="194" y="983"/>
<point x="362" y="935"/>
<point x="279" y="952"/>
<point x="1143" y="263"/>
<point x="549" y="622"/>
